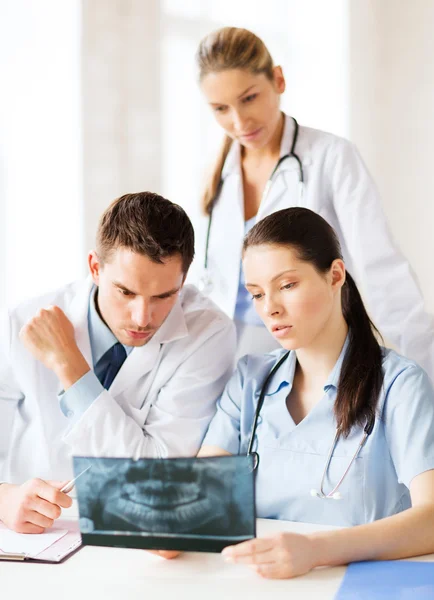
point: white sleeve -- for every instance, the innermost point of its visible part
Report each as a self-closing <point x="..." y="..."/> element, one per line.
<point x="9" y="388"/>
<point x="178" y="419"/>
<point x="10" y="392"/>
<point x="393" y="296"/>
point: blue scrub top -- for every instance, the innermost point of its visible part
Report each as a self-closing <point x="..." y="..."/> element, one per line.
<point x="244" y="309"/>
<point x="293" y="457"/>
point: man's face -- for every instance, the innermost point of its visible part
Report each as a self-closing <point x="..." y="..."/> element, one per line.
<point x="135" y="294"/>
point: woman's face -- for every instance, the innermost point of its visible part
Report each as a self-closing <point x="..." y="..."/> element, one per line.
<point x="245" y="105"/>
<point x="297" y="304"/>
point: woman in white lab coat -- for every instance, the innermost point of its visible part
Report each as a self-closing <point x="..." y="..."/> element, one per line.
<point x="320" y="171"/>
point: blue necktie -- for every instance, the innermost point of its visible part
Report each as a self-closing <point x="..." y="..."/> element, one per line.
<point x="109" y="364"/>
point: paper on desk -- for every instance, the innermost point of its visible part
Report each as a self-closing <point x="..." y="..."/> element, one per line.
<point x="388" y="580"/>
<point x="28" y="543"/>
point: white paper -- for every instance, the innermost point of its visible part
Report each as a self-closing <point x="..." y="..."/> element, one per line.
<point x="30" y="544"/>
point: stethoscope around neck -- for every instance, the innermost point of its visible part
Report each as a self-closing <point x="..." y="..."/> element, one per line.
<point x="334" y="494"/>
<point x="206" y="284"/>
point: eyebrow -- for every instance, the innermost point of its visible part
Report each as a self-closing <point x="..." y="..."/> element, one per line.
<point x="274" y="278"/>
<point x="247" y="90"/>
<point x="162" y="295"/>
<point x="240" y="96"/>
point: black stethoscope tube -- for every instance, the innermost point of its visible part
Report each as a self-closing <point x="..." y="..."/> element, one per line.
<point x="366" y="433"/>
<point x="259" y="407"/>
<point x="291" y="154"/>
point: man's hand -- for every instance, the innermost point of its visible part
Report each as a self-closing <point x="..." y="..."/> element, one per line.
<point x="167" y="554"/>
<point x="49" y="336"/>
<point x="33" y="506"/>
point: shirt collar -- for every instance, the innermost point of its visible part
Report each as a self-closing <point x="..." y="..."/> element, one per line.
<point x="285" y="374"/>
<point x="101" y="337"/>
<point x="333" y="378"/>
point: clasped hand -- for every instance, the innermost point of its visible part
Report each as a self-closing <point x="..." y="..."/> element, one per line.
<point x="50" y="337"/>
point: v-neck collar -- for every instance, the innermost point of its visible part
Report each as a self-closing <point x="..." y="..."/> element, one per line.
<point x="281" y="383"/>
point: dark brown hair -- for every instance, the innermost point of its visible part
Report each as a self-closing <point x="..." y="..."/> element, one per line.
<point x="148" y="224"/>
<point x="223" y="49"/>
<point x="315" y="242"/>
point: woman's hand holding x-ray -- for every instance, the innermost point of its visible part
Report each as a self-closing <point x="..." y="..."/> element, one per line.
<point x="281" y="556"/>
<point x="278" y="557"/>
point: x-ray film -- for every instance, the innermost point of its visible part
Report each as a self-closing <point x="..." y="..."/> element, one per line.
<point x="197" y="504"/>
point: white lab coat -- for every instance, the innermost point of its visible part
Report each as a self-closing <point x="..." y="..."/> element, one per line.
<point x="159" y="404"/>
<point x="339" y="188"/>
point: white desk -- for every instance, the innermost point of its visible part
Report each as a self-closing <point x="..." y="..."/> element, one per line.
<point x="124" y="574"/>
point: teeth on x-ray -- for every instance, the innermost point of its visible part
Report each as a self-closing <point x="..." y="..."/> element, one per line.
<point x="197" y="498"/>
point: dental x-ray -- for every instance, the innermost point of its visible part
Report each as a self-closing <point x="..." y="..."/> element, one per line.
<point x="197" y="504"/>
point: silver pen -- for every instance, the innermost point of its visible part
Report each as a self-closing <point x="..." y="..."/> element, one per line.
<point x="68" y="486"/>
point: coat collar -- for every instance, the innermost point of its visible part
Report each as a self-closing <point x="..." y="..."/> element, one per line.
<point x="174" y="327"/>
<point x="232" y="164"/>
<point x="78" y="315"/>
<point x="142" y="359"/>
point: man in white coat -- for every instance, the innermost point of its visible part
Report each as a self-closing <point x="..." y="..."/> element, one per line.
<point x="127" y="363"/>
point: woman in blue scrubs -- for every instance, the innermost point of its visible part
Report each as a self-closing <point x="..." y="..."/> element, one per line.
<point x="336" y="389"/>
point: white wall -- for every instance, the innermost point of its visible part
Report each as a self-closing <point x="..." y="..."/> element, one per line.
<point x="40" y="146"/>
<point x="360" y="68"/>
<point x="146" y="126"/>
<point x="121" y="103"/>
<point x="392" y="117"/>
<point x="308" y="38"/>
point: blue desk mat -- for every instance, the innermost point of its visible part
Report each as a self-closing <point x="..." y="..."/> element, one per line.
<point x="388" y="580"/>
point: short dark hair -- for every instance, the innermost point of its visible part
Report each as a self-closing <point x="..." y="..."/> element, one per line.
<point x="148" y="224"/>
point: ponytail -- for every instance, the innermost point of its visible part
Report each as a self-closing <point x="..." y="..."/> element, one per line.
<point x="212" y="186"/>
<point x="361" y="376"/>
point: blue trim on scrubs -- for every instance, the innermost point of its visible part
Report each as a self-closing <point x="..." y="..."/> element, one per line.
<point x="244" y="308"/>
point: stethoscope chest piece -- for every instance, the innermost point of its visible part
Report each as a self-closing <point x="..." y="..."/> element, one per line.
<point x="255" y="457"/>
<point x="205" y="284"/>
